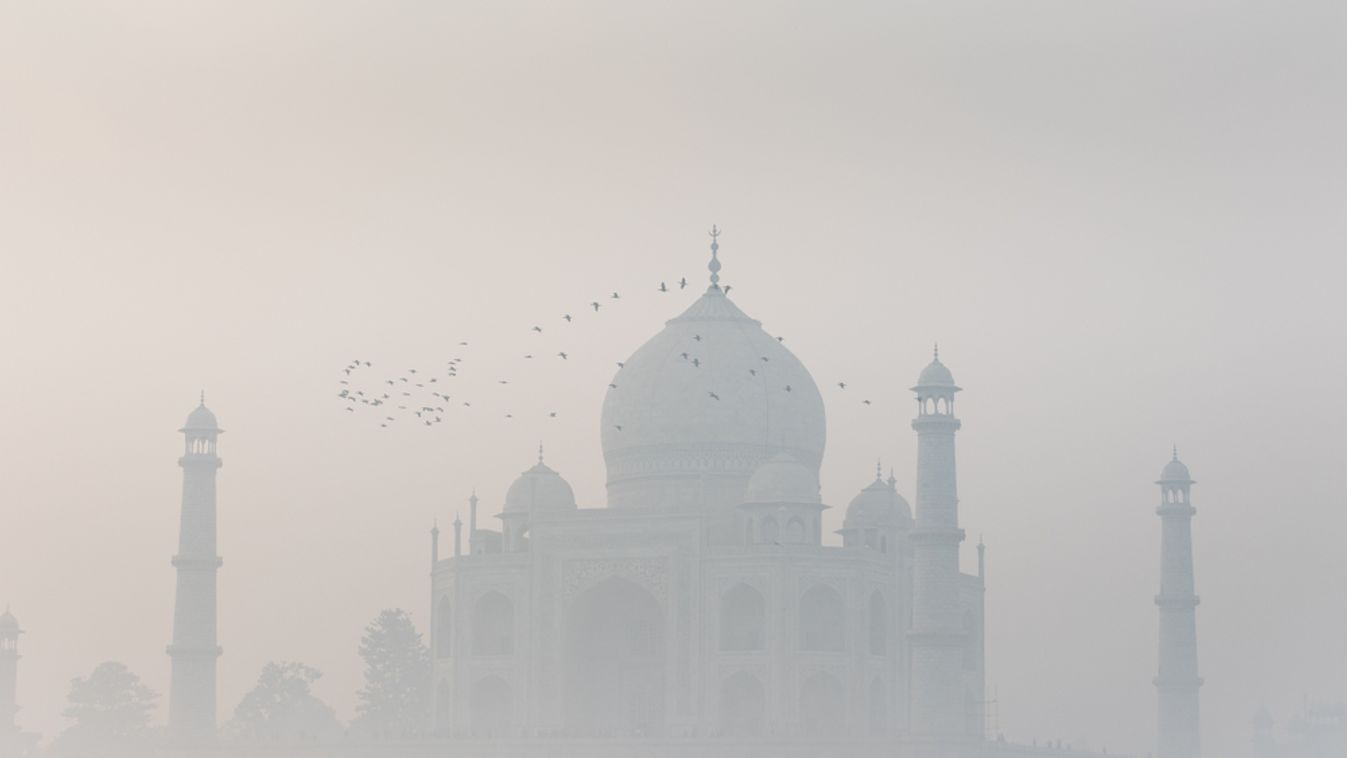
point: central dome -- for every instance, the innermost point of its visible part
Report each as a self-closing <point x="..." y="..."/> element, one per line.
<point x="701" y="405"/>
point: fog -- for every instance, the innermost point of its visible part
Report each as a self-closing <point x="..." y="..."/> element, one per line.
<point x="1122" y="223"/>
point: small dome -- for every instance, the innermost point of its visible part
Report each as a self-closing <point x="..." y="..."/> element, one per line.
<point x="936" y="375"/>
<point x="539" y="489"/>
<point x="782" y="480"/>
<point x="201" y="419"/>
<point x="9" y="625"/>
<point x="879" y="505"/>
<point x="1175" y="471"/>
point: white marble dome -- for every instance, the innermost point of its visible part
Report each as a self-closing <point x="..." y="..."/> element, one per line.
<point x="878" y="505"/>
<point x="936" y="374"/>
<point x="539" y="489"/>
<point x="201" y="419"/>
<point x="701" y="405"/>
<point x="783" y="480"/>
<point x="1175" y="471"/>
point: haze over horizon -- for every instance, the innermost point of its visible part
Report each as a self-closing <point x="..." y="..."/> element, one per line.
<point x="1122" y="223"/>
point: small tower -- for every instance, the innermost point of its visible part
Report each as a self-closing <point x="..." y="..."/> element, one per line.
<point x="1177" y="683"/>
<point x="938" y="707"/>
<point x="9" y="673"/>
<point x="194" y="652"/>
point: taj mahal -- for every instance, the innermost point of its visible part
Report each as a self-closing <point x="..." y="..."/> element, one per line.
<point x="703" y="611"/>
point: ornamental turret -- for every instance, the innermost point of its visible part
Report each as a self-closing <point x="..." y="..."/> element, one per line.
<point x="194" y="652"/>
<point x="938" y="707"/>
<point x="1177" y="684"/>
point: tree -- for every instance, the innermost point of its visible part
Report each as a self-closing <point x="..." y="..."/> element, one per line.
<point x="111" y="710"/>
<point x="282" y="707"/>
<point x="395" y="701"/>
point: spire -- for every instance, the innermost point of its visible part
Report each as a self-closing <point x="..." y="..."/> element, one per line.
<point x="1176" y="451"/>
<point x="714" y="265"/>
<point x="203" y="398"/>
<point x="936" y="355"/>
<point x="893" y="480"/>
<point x="879" y="469"/>
<point x="540" y="453"/>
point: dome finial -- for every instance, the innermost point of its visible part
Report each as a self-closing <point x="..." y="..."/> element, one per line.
<point x="1176" y="451"/>
<point x="879" y="469"/>
<point x="540" y="452"/>
<point x="937" y="352"/>
<point x="714" y="265"/>
<point x="203" y="398"/>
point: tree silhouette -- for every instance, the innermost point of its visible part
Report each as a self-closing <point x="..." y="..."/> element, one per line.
<point x="111" y="710"/>
<point x="282" y="707"/>
<point x="395" y="701"/>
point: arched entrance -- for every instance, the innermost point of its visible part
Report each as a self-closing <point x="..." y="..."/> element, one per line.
<point x="743" y="706"/>
<point x="492" y="708"/>
<point x="615" y="654"/>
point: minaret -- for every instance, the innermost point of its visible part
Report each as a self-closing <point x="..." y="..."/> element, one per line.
<point x="938" y="709"/>
<point x="9" y="673"/>
<point x="194" y="652"/>
<point x="1178" y="683"/>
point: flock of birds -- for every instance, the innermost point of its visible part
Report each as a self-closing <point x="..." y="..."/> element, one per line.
<point x="426" y="397"/>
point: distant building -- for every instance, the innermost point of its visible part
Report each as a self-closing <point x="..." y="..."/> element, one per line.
<point x="13" y="741"/>
<point x="1318" y="731"/>
<point x="195" y="651"/>
<point x="1177" y="683"/>
<point x="701" y="604"/>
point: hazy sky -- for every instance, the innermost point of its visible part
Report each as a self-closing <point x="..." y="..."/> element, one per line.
<point x="1123" y="222"/>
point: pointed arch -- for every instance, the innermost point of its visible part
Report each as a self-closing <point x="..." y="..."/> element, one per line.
<point x="879" y="624"/>
<point x="743" y="706"/>
<point x="743" y="620"/>
<point x="879" y="708"/>
<point x="822" y="705"/>
<point x="615" y="661"/>
<point x="493" y="625"/>
<point x="492" y="707"/>
<point x="444" y="624"/>
<point x="822" y="620"/>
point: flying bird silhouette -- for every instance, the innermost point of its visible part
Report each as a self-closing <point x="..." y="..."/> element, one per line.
<point x="563" y="356"/>
<point x="843" y="385"/>
<point x="713" y="395"/>
<point x="663" y="288"/>
<point x="595" y="306"/>
<point x="538" y="329"/>
<point x="615" y="296"/>
<point x="567" y="317"/>
<point x="683" y="283"/>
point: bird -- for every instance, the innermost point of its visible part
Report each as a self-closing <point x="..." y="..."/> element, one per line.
<point x="620" y="364"/>
<point x="504" y="381"/>
<point x="753" y="371"/>
<point x="462" y="343"/>
<point x="615" y="296"/>
<point x="619" y="427"/>
<point x="434" y="380"/>
<point x="389" y="381"/>
<point x="553" y="414"/>
<point x="563" y="356"/>
<point x="568" y="317"/>
<point x="867" y="402"/>
<point x="726" y="288"/>
<point x="467" y="404"/>
<point x="713" y="395"/>
<point x="427" y="423"/>
<point x="595" y="306"/>
<point x="528" y="356"/>
<point x="697" y="337"/>
<point x="685" y="356"/>
<point x="764" y="359"/>
<point x="696" y="362"/>
<point x="509" y="415"/>
<point x="788" y="388"/>
<point x="780" y="339"/>
<point x="612" y="386"/>
<point x="350" y="409"/>
<point x="842" y="385"/>
<point x="411" y="371"/>
<point x="683" y="283"/>
<point x="538" y="329"/>
<point x="663" y="288"/>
